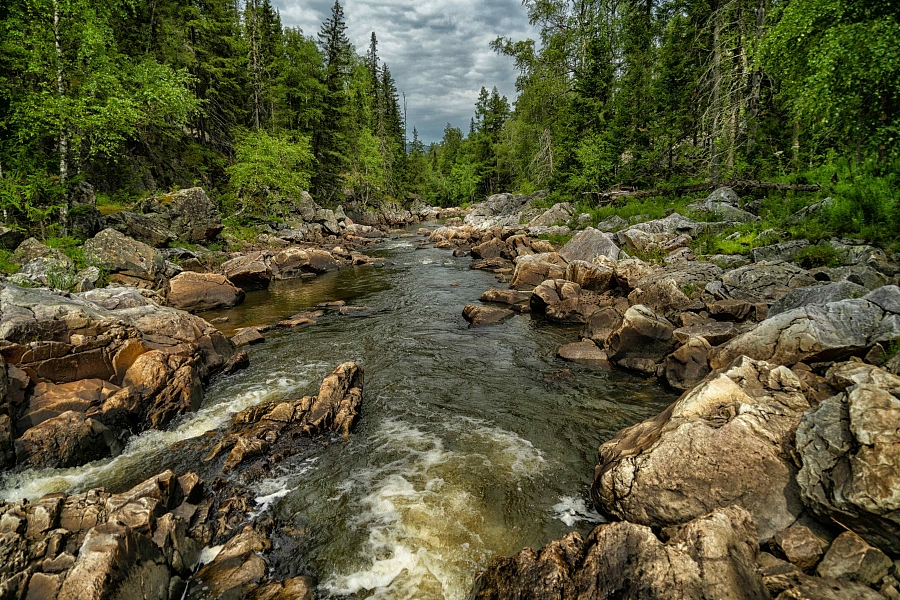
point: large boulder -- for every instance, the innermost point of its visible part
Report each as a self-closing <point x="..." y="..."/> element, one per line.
<point x="593" y="277"/>
<point x="727" y="441"/>
<point x="713" y="556"/>
<point x="779" y="252"/>
<point x="143" y="228"/>
<point x="763" y="281"/>
<point x="195" y="292"/>
<point x="817" y="333"/>
<point x="588" y="244"/>
<point x="642" y="335"/>
<point x="849" y="447"/>
<point x="249" y="272"/>
<point x="274" y="429"/>
<point x="126" y="260"/>
<point x="689" y="364"/>
<point x="149" y="363"/>
<point x="69" y="440"/>
<point x="816" y="295"/>
<point x="292" y="263"/>
<point x="532" y="270"/>
<point x="558" y="214"/>
<point x="189" y="214"/>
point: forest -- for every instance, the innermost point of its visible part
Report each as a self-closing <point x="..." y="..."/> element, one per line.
<point x="136" y="97"/>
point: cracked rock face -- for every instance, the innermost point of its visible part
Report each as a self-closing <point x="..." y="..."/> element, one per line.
<point x="727" y="441"/>
<point x="711" y="557"/>
<point x="849" y="446"/>
<point x="828" y="332"/>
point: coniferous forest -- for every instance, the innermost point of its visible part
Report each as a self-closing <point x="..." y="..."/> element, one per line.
<point x="135" y="97"/>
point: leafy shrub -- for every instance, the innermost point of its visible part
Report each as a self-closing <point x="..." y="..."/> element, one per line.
<point x="267" y="165"/>
<point x="820" y="255"/>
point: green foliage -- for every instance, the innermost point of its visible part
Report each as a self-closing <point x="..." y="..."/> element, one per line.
<point x="269" y="165"/>
<point x="72" y="248"/>
<point x="7" y="266"/>
<point x="819" y="255"/>
<point x="556" y="240"/>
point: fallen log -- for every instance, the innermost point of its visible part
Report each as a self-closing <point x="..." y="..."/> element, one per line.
<point x="738" y="184"/>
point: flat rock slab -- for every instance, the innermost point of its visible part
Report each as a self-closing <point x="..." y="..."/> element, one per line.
<point x="485" y="315"/>
<point x="584" y="353"/>
<point x="247" y="336"/>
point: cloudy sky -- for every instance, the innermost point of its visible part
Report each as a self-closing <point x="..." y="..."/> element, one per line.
<point x="437" y="50"/>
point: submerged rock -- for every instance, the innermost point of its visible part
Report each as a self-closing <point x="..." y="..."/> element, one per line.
<point x="478" y="315"/>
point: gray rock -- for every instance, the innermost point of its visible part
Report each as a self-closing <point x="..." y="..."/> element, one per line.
<point x="613" y="223"/>
<point x="188" y="213"/>
<point x="849" y="446"/>
<point x="863" y="275"/>
<point x="55" y="270"/>
<point x="802" y="215"/>
<point x="777" y="252"/>
<point x="816" y="295"/>
<point x="724" y="195"/>
<point x="725" y="442"/>
<point x="588" y="245"/>
<point x="710" y="557"/>
<point x="144" y="228"/>
<point x="126" y="260"/>
<point x="84" y="221"/>
<point x="558" y="214"/>
<point x="764" y="282"/>
<point x="819" y="333"/>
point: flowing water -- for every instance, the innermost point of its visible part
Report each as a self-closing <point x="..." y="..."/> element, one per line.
<point x="472" y="443"/>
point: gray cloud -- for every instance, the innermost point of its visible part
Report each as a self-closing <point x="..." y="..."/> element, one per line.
<point x="437" y="50"/>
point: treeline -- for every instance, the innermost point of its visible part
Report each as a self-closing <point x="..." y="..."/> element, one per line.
<point x="133" y="97"/>
<point x="647" y="93"/>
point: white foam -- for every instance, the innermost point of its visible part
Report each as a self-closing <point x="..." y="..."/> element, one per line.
<point x="35" y="483"/>
<point x="209" y="554"/>
<point x="427" y="526"/>
<point x="571" y="510"/>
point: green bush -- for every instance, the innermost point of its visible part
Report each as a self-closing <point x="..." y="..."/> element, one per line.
<point x="7" y="266"/>
<point x="820" y="255"/>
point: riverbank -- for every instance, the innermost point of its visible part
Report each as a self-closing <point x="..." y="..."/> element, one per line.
<point x="776" y="456"/>
<point x="487" y="429"/>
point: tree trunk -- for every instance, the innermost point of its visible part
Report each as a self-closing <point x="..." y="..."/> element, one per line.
<point x="63" y="134"/>
<point x="756" y="81"/>
<point x="716" y="97"/>
<point x="795" y="147"/>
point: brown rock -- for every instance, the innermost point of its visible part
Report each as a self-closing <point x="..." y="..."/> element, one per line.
<point x="688" y="365"/>
<point x="247" y="336"/>
<point x="642" y="334"/>
<point x="531" y="271"/>
<point x="727" y="441"/>
<point x="485" y="315"/>
<point x="505" y="296"/>
<point x="68" y="440"/>
<point x="714" y="333"/>
<point x="817" y="588"/>
<point x="195" y="292"/>
<point x="601" y="324"/>
<point x="584" y="353"/>
<point x="597" y="278"/>
<point x="710" y="557"/>
<point x="850" y="557"/>
<point x="249" y="272"/>
<point x="492" y="248"/>
<point x="800" y="546"/>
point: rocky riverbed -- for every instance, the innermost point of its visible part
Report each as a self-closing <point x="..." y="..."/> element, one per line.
<point x="774" y="475"/>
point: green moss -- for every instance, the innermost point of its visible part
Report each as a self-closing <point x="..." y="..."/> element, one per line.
<point x="556" y="240"/>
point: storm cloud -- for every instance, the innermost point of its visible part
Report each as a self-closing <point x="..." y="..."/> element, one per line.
<point x="437" y="50"/>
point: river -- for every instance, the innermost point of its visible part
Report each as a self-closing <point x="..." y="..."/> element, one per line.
<point x="472" y="442"/>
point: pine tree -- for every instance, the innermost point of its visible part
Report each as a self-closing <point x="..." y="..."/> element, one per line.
<point x="330" y="140"/>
